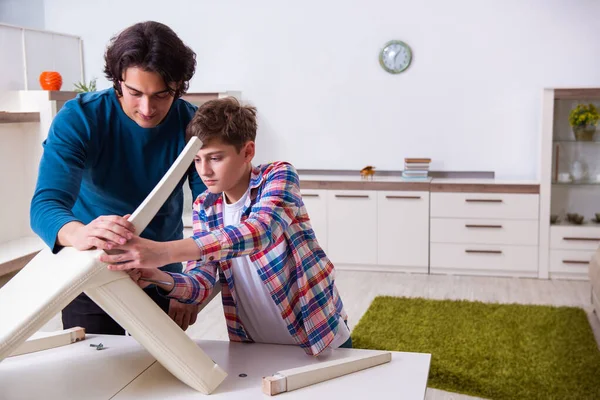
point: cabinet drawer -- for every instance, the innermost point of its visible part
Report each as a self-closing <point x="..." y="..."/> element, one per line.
<point x="508" y="260"/>
<point x="570" y="237"/>
<point x="485" y="205"/>
<point x="570" y="263"/>
<point x="484" y="231"/>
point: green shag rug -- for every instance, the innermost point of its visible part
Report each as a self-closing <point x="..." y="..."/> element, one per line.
<point x="495" y="351"/>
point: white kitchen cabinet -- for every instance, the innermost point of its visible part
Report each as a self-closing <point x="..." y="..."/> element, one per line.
<point x="571" y="249"/>
<point x="352" y="227"/>
<point x="315" y="202"/>
<point x="484" y="234"/>
<point x="403" y="230"/>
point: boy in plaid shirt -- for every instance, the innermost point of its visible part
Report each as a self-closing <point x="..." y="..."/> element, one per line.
<point x="251" y="229"/>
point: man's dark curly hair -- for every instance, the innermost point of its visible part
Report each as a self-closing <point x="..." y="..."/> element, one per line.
<point x="154" y="47"/>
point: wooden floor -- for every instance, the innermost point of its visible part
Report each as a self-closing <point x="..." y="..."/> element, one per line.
<point x="358" y="289"/>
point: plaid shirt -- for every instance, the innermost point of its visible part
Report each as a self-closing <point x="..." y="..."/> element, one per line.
<point x="275" y="232"/>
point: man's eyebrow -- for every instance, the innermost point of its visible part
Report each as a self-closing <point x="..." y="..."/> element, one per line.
<point x="139" y="91"/>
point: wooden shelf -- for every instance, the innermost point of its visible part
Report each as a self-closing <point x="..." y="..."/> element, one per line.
<point x="61" y="95"/>
<point x="577" y="94"/>
<point x="16" y="117"/>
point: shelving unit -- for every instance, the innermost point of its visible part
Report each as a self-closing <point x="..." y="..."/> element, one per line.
<point x="25" y="119"/>
<point x="566" y="248"/>
<point x="18" y="117"/>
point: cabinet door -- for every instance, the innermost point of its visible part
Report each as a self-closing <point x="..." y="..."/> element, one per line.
<point x="352" y="227"/>
<point x="403" y="230"/>
<point x="315" y="202"/>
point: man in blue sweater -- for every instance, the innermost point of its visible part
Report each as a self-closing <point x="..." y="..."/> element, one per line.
<point x="107" y="150"/>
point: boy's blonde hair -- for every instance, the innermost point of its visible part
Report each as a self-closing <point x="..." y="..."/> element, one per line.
<point x="224" y="119"/>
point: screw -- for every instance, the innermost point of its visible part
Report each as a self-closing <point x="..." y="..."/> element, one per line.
<point x="242" y="375"/>
<point x="97" y="346"/>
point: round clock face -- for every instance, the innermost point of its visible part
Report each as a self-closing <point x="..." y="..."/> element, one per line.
<point x="395" y="56"/>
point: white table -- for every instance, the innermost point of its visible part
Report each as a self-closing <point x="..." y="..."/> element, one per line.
<point x="125" y="370"/>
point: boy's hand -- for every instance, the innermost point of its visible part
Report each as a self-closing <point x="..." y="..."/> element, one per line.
<point x="137" y="253"/>
<point x="183" y="314"/>
<point x="160" y="278"/>
<point x="135" y="275"/>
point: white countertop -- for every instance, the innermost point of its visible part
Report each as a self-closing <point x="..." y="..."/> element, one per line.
<point x="479" y="181"/>
<point x="390" y="178"/>
<point x="358" y="178"/>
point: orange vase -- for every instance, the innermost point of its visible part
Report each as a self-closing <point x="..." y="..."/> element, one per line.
<point x="50" y="80"/>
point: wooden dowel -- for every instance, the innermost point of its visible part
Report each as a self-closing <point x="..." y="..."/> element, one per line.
<point x="296" y="378"/>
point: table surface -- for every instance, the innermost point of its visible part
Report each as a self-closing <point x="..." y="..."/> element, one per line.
<point x="125" y="370"/>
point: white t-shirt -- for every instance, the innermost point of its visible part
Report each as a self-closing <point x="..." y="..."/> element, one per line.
<point x="257" y="310"/>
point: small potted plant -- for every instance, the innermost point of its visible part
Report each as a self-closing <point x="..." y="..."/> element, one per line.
<point x="82" y="87"/>
<point x="583" y="119"/>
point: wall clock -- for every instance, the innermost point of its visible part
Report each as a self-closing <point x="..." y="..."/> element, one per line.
<point x="395" y="56"/>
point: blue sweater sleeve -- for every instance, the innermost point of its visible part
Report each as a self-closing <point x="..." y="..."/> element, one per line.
<point x="60" y="173"/>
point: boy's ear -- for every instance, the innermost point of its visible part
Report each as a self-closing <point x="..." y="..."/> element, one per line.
<point x="249" y="151"/>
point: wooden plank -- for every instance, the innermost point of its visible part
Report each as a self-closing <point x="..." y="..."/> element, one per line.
<point x="61" y="95"/>
<point x="366" y="185"/>
<point x="16" y="117"/>
<point x="577" y="94"/>
<point x="49" y="340"/>
<point x="485" y="188"/>
<point x="296" y="378"/>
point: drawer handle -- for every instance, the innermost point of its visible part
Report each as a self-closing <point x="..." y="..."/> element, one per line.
<point x="310" y="195"/>
<point x="352" y="196"/>
<point x="575" y="262"/>
<point x="403" y="197"/>
<point x="484" y="226"/>
<point x="483" y="200"/>
<point x="583" y="239"/>
<point x="484" y="251"/>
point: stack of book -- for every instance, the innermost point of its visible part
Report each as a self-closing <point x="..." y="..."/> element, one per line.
<point x="416" y="168"/>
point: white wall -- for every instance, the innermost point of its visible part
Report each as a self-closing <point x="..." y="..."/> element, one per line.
<point x="25" y="13"/>
<point x="470" y="100"/>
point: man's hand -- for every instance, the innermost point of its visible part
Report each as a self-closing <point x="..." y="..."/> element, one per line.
<point x="137" y="253"/>
<point x="105" y="232"/>
<point x="183" y="314"/>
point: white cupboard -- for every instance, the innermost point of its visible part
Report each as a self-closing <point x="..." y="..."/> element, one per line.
<point x="352" y="227"/>
<point x="403" y="230"/>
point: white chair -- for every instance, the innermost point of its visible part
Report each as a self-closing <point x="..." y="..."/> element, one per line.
<point x="51" y="281"/>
